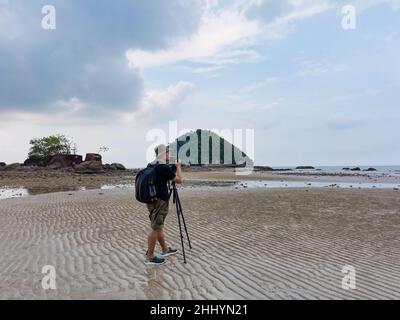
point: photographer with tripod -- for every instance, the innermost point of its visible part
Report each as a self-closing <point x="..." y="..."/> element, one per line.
<point x="152" y="188"/>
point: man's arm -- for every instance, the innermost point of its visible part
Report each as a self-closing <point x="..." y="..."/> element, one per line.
<point x="178" y="178"/>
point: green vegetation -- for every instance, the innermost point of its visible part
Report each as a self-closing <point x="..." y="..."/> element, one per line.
<point x="44" y="149"/>
<point x="211" y="149"/>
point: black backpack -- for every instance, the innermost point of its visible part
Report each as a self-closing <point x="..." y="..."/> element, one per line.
<point x="145" y="184"/>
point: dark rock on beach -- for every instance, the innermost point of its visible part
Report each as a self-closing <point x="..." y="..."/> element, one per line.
<point x="114" y="167"/>
<point x="64" y="161"/>
<point x="266" y="168"/>
<point x="93" y="157"/>
<point x="13" y="166"/>
<point x="263" y="168"/>
<point x="108" y="167"/>
<point x="118" y="166"/>
<point x="371" y="169"/>
<point x="305" y="168"/>
<point x="34" y="162"/>
<point x="2" y="164"/>
<point x="89" y="167"/>
<point x="356" y="169"/>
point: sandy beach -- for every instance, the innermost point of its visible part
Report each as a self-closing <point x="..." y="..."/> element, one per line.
<point x="247" y="244"/>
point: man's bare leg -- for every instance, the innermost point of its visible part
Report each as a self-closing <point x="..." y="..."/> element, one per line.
<point x="151" y="244"/>
<point x="161" y="240"/>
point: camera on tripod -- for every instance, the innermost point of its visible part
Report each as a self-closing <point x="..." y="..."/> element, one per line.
<point x="173" y="167"/>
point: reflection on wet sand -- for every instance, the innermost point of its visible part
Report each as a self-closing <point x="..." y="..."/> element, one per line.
<point x="6" y="193"/>
<point x="203" y="185"/>
<point x="153" y="285"/>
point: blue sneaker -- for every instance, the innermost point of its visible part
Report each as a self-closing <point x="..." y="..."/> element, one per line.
<point x="170" y="252"/>
<point x="155" y="261"/>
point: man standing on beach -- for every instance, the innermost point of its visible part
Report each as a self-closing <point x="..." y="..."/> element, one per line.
<point x="159" y="208"/>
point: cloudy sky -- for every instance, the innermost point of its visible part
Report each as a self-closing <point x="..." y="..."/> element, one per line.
<point x="111" y="71"/>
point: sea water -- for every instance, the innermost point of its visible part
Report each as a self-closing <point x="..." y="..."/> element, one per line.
<point x="392" y="170"/>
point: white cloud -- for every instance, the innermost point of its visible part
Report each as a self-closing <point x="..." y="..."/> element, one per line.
<point x="278" y="26"/>
<point x="206" y="70"/>
<point x="228" y="33"/>
<point x="71" y="112"/>
<point x="216" y="41"/>
<point x="161" y="104"/>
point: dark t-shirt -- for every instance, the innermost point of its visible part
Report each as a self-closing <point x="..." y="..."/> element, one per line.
<point x="164" y="174"/>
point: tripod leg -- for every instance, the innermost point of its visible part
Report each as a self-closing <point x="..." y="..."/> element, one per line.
<point x="178" y="201"/>
<point x="180" y="227"/>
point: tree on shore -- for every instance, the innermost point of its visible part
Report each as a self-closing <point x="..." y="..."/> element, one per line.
<point x="45" y="148"/>
<point x="103" y="149"/>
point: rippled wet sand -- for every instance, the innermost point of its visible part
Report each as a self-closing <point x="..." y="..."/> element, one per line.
<point x="263" y="244"/>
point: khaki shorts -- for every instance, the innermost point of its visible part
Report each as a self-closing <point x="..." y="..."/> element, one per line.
<point x="158" y="212"/>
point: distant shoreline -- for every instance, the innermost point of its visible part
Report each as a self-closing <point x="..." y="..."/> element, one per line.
<point x="21" y="183"/>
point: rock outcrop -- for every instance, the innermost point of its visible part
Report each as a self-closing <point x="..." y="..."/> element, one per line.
<point x="34" y="162"/>
<point x="70" y="163"/>
<point x="108" y="167"/>
<point x="89" y="167"/>
<point x="64" y="161"/>
<point x="263" y="168"/>
<point x="93" y="157"/>
<point x="305" y="168"/>
<point x="13" y="166"/>
<point x="114" y="167"/>
<point x="118" y="166"/>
